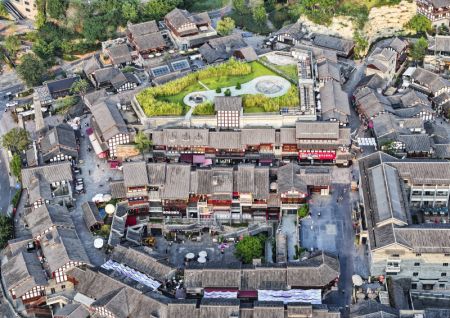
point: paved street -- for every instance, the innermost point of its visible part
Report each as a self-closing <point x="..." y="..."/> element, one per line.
<point x="332" y="232"/>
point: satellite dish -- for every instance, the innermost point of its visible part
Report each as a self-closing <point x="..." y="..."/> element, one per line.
<point x="110" y="209"/>
<point x="357" y="280"/>
<point x="98" y="243"/>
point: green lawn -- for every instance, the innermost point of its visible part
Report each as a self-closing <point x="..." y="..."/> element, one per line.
<point x="224" y="81"/>
<point x="289" y="70"/>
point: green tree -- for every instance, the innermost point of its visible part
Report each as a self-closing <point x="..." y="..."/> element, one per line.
<point x="56" y="9"/>
<point x="225" y="26"/>
<point x="361" y="44"/>
<point x="3" y="12"/>
<point x="157" y="9"/>
<point x="142" y="142"/>
<point x="419" y="49"/>
<point x="40" y="20"/>
<point x="419" y="23"/>
<point x="240" y="6"/>
<point x="80" y="87"/>
<point x="12" y="45"/>
<point x="130" y="11"/>
<point x="16" y="165"/>
<point x="249" y="248"/>
<point x="260" y="15"/>
<point x="31" y="70"/>
<point x="16" y="140"/>
<point x="6" y="230"/>
<point x="303" y="211"/>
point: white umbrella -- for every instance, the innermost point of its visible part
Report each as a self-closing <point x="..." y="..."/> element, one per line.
<point x="190" y="255"/>
<point x="203" y="254"/>
<point x="201" y="260"/>
<point x="109" y="209"/>
<point x="357" y="280"/>
<point x="98" y="243"/>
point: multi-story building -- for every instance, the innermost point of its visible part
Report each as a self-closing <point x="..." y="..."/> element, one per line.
<point x="189" y="29"/>
<point x="229" y="110"/>
<point x="27" y="8"/>
<point x="437" y="11"/>
<point x="394" y="192"/>
<point x="108" y="129"/>
<point x="59" y="144"/>
<point x="308" y="141"/>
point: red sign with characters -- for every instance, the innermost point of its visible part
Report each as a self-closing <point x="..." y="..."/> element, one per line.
<point x="320" y="155"/>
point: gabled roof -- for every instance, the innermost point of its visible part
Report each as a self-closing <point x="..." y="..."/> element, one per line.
<point x="227" y="103"/>
<point x="149" y="41"/>
<point x="397" y="44"/>
<point x="143" y="262"/>
<point x="430" y="80"/>
<point x="72" y="311"/>
<point x="61" y="84"/>
<point x="177" y="182"/>
<point x="49" y="173"/>
<point x="60" y="139"/>
<point x="44" y="217"/>
<point x="251" y="179"/>
<point x="221" y="48"/>
<point x="330" y="42"/>
<point x="91" y="65"/>
<point x="383" y="59"/>
<point x="143" y="28"/>
<point x="329" y="69"/>
<point x="334" y="100"/>
<point x="23" y="272"/>
<point x="91" y="214"/>
<point x="317" y="130"/>
<point x="109" y="120"/>
<point x="120" y="53"/>
<point x="61" y="246"/>
<point x="416" y="142"/>
<point x="135" y="174"/>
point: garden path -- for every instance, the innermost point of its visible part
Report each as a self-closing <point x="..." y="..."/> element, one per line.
<point x="206" y="87"/>
<point x="269" y="85"/>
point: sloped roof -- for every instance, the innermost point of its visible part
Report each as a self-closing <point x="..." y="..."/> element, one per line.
<point x="317" y="130"/>
<point x="23" y="272"/>
<point x="49" y="173"/>
<point x="334" y="43"/>
<point x="120" y="53"/>
<point x="44" y="217"/>
<point x="72" y="311"/>
<point x="227" y="103"/>
<point x="149" y="41"/>
<point x="60" y="139"/>
<point x="177" y="182"/>
<point x="109" y="120"/>
<point x="142" y="28"/>
<point x="91" y="214"/>
<point x="334" y="99"/>
<point x="61" y="246"/>
<point x="135" y="174"/>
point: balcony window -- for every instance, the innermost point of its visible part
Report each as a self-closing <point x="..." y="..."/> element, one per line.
<point x="443" y="274"/>
<point x="445" y="264"/>
<point x="415" y="274"/>
<point x="416" y="264"/>
<point x="418" y="254"/>
<point x="413" y="286"/>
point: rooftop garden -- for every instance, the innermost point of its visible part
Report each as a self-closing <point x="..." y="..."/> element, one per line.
<point x="167" y="99"/>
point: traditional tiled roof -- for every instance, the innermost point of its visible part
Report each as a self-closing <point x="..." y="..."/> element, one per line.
<point x="120" y="54"/>
<point x="317" y="130"/>
<point x="49" y="173"/>
<point x="59" y="140"/>
<point x="334" y="43"/>
<point x="135" y="174"/>
<point x="91" y="214"/>
<point x="23" y="272"/>
<point x="44" y="217"/>
<point x="142" y="28"/>
<point x="109" y="120"/>
<point x="228" y="103"/>
<point x="149" y="41"/>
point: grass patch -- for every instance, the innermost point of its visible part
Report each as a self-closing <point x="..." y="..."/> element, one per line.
<point x="206" y="108"/>
<point x="62" y="105"/>
<point x="289" y="71"/>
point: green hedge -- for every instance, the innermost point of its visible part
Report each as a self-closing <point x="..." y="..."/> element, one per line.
<point x="152" y="106"/>
<point x="206" y="108"/>
<point x="291" y="99"/>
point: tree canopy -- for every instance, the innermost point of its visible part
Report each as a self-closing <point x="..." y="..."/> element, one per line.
<point x="225" y="26"/>
<point x="6" y="230"/>
<point x="80" y="87"/>
<point x="250" y="247"/>
<point x="56" y="9"/>
<point x="142" y="142"/>
<point x="419" y="49"/>
<point x="260" y="15"/>
<point x="419" y="23"/>
<point x="16" y="165"/>
<point x="12" y="44"/>
<point x="16" y="140"/>
<point x="31" y="69"/>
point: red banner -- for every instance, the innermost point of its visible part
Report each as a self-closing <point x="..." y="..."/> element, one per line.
<point x="320" y="155"/>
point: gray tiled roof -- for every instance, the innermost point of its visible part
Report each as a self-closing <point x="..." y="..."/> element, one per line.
<point x="49" y="173"/>
<point x="61" y="246"/>
<point x="91" y="214"/>
<point x="416" y="142"/>
<point x="225" y="139"/>
<point x="23" y="272"/>
<point x="149" y="41"/>
<point x="72" y="311"/>
<point x="334" y="43"/>
<point x="118" y="190"/>
<point x="156" y="173"/>
<point x="383" y="59"/>
<point x="109" y="120"/>
<point x="317" y="130"/>
<point x="430" y="80"/>
<point x="135" y="174"/>
<point x="141" y="261"/>
<point x="120" y="54"/>
<point x="59" y="140"/>
<point x="177" y="182"/>
<point x="91" y="65"/>
<point x="257" y="136"/>
<point x="334" y="99"/>
<point x="142" y="28"/>
<point x="329" y="69"/>
<point x="44" y="217"/>
<point x="227" y="103"/>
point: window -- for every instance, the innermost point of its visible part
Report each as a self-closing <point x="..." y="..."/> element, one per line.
<point x="418" y="254"/>
<point x="395" y="255"/>
<point x="415" y="274"/>
<point x="441" y="285"/>
<point x="445" y="264"/>
<point x="416" y="264"/>
<point x="413" y="286"/>
<point x="447" y="255"/>
<point x="443" y="274"/>
<point x="52" y="290"/>
<point x="63" y="286"/>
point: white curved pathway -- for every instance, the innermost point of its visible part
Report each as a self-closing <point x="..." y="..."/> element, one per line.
<point x="246" y="88"/>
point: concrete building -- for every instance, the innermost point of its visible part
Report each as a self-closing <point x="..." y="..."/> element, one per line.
<point x="393" y="191"/>
<point x="27" y="8"/>
<point x="437" y="11"/>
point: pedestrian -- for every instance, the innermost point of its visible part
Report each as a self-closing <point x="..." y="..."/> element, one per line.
<point x="98" y="166"/>
<point x="89" y="172"/>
